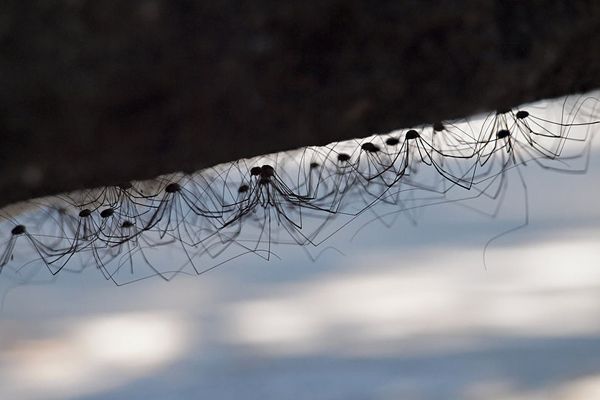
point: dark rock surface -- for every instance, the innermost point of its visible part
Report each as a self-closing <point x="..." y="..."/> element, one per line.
<point x="99" y="92"/>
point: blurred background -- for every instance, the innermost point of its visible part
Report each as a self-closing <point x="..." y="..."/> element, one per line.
<point x="407" y="312"/>
<point x="97" y="93"/>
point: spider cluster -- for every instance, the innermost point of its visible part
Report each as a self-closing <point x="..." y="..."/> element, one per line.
<point x="192" y="223"/>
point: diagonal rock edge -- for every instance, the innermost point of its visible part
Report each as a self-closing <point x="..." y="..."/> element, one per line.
<point x="98" y="93"/>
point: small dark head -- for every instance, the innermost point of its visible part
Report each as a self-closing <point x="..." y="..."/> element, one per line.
<point x="18" y="230"/>
<point x="392" y="141"/>
<point x="243" y="188"/>
<point x="370" y="147"/>
<point x="173" y="187"/>
<point x="438" y="127"/>
<point x="266" y="171"/>
<point x="343" y="157"/>
<point x="522" y="114"/>
<point x="107" y="212"/>
<point x="412" y="134"/>
<point x="502" y="134"/>
<point x="126" y="224"/>
<point x="255" y="171"/>
<point x="125" y="186"/>
<point x="85" y="213"/>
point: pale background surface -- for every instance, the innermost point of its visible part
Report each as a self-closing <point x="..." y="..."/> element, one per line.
<point x="409" y="312"/>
